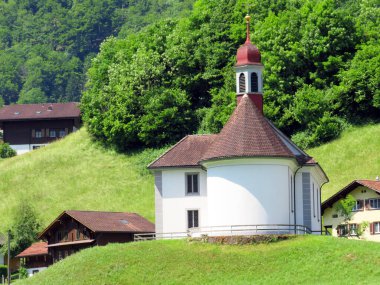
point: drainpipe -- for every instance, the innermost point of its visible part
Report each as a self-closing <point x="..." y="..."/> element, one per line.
<point x="320" y="200"/>
<point x="294" y="200"/>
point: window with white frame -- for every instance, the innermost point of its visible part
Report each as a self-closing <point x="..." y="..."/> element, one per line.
<point x="376" y="227"/>
<point x="192" y="183"/>
<point x="374" y="203"/>
<point x="38" y="133"/>
<point x="353" y="229"/>
<point x="358" y="206"/>
<point x="52" y="133"/>
<point x="192" y="219"/>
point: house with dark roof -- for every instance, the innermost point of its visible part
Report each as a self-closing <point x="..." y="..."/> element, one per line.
<point x="72" y="231"/>
<point x="249" y="176"/>
<point x="29" y="126"/>
<point x="365" y="213"/>
<point x="35" y="258"/>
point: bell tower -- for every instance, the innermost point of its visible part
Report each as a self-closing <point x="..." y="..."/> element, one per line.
<point x="249" y="71"/>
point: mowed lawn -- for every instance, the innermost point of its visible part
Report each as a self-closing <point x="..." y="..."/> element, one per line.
<point x="355" y="155"/>
<point x="76" y="173"/>
<point x="303" y="260"/>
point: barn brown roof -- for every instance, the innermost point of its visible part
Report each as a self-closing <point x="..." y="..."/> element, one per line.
<point x="246" y="134"/>
<point x="37" y="248"/>
<point x="371" y="184"/>
<point x="39" y="111"/>
<point x="107" y="222"/>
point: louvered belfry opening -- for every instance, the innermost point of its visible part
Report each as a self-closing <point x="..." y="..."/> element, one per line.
<point x="242" y="83"/>
<point x="254" y="82"/>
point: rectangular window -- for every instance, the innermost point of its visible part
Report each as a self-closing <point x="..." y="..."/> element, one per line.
<point x="374" y="203"/>
<point x="192" y="219"/>
<point x="59" y="236"/>
<point x="353" y="229"/>
<point x="52" y="133"/>
<point x="38" y="133"/>
<point x="342" y="230"/>
<point x="62" y="133"/>
<point x="358" y="206"/>
<point x="376" y="227"/>
<point x="78" y="234"/>
<point x="192" y="183"/>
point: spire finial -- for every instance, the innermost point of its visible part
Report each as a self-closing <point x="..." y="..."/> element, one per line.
<point x="248" y="20"/>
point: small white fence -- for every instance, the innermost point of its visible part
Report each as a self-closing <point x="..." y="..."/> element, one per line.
<point x="235" y="230"/>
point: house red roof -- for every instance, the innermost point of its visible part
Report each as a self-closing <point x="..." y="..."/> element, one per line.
<point x="186" y="153"/>
<point x="38" y="248"/>
<point x="107" y="222"/>
<point x="39" y="111"/>
<point x="247" y="134"/>
<point x="371" y="184"/>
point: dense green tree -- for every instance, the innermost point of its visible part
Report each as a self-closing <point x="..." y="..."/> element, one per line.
<point x="24" y="229"/>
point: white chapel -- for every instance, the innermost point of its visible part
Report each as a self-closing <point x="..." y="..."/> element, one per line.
<point x="249" y="176"/>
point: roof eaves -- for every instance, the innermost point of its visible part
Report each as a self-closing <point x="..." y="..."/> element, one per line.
<point x="149" y="166"/>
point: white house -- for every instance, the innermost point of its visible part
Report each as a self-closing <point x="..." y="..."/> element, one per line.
<point x="249" y="176"/>
<point x="365" y="214"/>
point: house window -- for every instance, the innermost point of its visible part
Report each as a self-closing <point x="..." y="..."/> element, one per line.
<point x="353" y="229"/>
<point x="192" y="219"/>
<point x="192" y="183"/>
<point x="342" y="230"/>
<point x="78" y="234"/>
<point x="52" y="133"/>
<point x="59" y="236"/>
<point x="66" y="236"/>
<point x="241" y="83"/>
<point x="374" y="203"/>
<point x="38" y="133"/>
<point x="254" y="82"/>
<point x="376" y="228"/>
<point x="62" y="133"/>
<point x="358" y="206"/>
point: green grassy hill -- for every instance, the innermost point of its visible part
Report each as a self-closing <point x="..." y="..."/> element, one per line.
<point x="76" y="173"/>
<point x="303" y="260"/>
<point x="355" y="155"/>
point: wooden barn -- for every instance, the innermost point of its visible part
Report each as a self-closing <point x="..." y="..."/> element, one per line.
<point x="72" y="231"/>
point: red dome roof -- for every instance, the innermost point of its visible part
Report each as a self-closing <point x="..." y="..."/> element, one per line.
<point x="248" y="54"/>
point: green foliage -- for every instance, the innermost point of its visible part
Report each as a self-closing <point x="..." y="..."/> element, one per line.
<point x="345" y="206"/>
<point x="46" y="44"/>
<point x="6" y="151"/>
<point x="24" y="229"/>
<point x="321" y="259"/>
<point x="23" y="272"/>
<point x="321" y="58"/>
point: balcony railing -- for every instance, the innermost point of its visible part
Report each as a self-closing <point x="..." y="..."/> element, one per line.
<point x="238" y="230"/>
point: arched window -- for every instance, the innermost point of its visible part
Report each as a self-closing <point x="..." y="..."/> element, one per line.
<point x="242" y="83"/>
<point x="254" y="82"/>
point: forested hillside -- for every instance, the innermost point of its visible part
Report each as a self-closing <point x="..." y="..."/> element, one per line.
<point x="322" y="60"/>
<point x="46" y="46"/>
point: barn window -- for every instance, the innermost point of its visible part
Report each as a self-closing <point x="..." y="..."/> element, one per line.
<point x="242" y="83"/>
<point x="192" y="183"/>
<point x="254" y="82"/>
<point x="192" y="219"/>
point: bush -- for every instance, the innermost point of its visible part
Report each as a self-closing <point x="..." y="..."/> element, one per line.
<point x="6" y="151"/>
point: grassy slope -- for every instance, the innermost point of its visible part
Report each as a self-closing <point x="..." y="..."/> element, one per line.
<point x="304" y="260"/>
<point x="75" y="173"/>
<point x="355" y="155"/>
